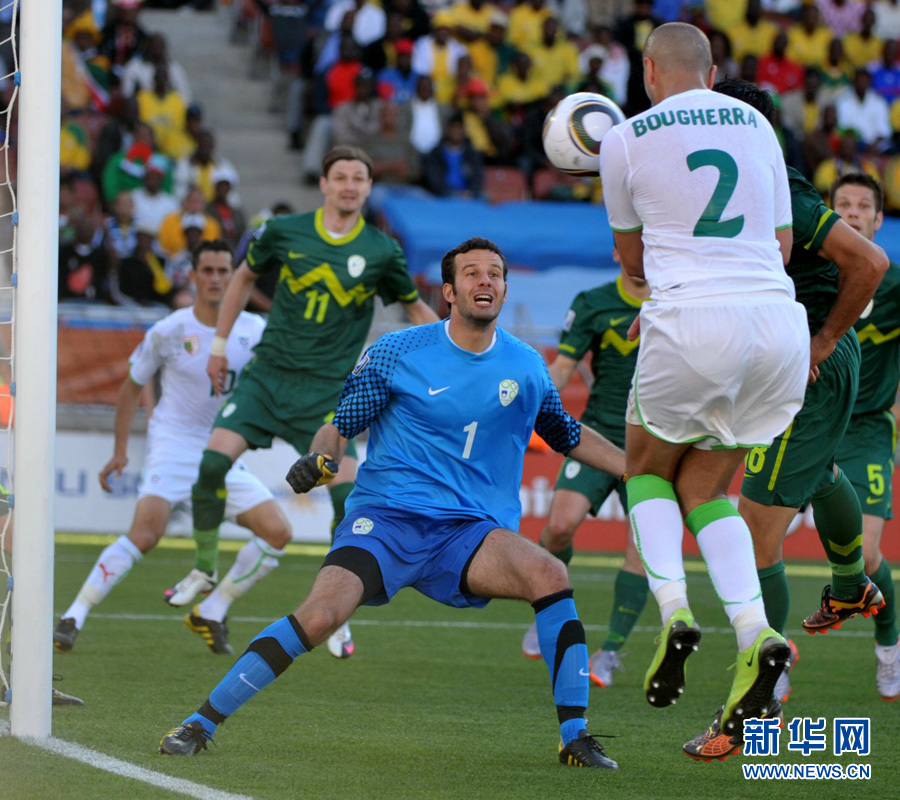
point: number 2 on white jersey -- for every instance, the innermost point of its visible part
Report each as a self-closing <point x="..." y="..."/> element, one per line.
<point x="470" y="438"/>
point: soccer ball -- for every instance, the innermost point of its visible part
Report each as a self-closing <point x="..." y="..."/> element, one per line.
<point x="574" y="129"/>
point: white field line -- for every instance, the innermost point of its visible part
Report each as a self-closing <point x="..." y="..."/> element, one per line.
<point x="124" y="769"/>
<point x="437" y="623"/>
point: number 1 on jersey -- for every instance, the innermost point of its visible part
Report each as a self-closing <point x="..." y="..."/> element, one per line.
<point x="316" y="298"/>
<point x="470" y="439"/>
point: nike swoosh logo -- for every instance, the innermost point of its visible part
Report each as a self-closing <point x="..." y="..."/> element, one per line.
<point x="617" y="321"/>
<point x="872" y="500"/>
<point x="433" y="392"/>
<point x="584" y="674"/>
<point x="243" y="677"/>
<point x="750" y="660"/>
<point x="292" y="254"/>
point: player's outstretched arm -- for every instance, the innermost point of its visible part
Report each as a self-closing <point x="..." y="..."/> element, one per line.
<point x="236" y="296"/>
<point x="862" y="264"/>
<point x="126" y="406"/>
<point x="419" y="312"/>
<point x="598" y="452"/>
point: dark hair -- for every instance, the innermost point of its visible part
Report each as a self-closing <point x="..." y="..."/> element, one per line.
<point x="211" y="246"/>
<point x="345" y="152"/>
<point x="859" y="179"/>
<point x="750" y="93"/>
<point x="282" y="207"/>
<point x="448" y="262"/>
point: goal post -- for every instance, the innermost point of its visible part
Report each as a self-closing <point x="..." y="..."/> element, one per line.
<point x="34" y="354"/>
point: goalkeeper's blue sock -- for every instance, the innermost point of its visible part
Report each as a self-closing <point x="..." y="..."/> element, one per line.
<point x="561" y="637"/>
<point x="269" y="654"/>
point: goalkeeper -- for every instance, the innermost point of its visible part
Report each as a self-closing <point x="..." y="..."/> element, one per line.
<point x="330" y="265"/>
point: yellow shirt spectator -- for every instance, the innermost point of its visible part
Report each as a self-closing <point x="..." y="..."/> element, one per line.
<point x="726" y="14"/>
<point x="809" y="49"/>
<point x="475" y="19"/>
<point x="166" y="115"/>
<point x="171" y="233"/>
<point x="756" y="40"/>
<point x="556" y="64"/>
<point x="861" y="52"/>
<point x="831" y="169"/>
<point x="511" y="89"/>
<point x="526" y="25"/>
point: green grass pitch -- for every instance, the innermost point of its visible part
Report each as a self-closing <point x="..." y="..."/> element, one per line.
<point x="436" y="702"/>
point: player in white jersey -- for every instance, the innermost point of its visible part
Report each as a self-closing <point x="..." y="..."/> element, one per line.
<point x="698" y="199"/>
<point x="178" y="347"/>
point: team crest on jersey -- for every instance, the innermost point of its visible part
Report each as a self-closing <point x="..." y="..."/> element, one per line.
<point x="191" y="344"/>
<point x="508" y="391"/>
<point x="572" y="469"/>
<point x="868" y="309"/>
<point x="244" y="342"/>
<point x="363" y="525"/>
<point x="570" y="318"/>
<point x="355" y="266"/>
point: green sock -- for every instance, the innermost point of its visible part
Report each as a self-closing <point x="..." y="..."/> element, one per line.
<point x="339" y="495"/>
<point x="776" y="595"/>
<point x="629" y="599"/>
<point x="839" y="523"/>
<point x="564" y="555"/>
<point x="886" y="619"/>
<point x="208" y="496"/>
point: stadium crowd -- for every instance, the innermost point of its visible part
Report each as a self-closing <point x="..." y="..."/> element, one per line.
<point x="438" y="92"/>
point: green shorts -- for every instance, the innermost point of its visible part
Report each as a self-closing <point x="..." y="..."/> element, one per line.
<point x="800" y="462"/>
<point x="270" y="402"/>
<point x="595" y="485"/>
<point x="866" y="455"/>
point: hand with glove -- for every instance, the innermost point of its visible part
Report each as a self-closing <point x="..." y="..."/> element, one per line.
<point x="311" y="470"/>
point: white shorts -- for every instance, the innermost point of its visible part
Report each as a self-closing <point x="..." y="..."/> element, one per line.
<point x="720" y="374"/>
<point x="171" y="467"/>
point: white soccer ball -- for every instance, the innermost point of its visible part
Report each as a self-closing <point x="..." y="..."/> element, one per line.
<point x="574" y="130"/>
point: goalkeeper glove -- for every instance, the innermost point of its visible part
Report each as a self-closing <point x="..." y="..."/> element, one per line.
<point x="310" y="471"/>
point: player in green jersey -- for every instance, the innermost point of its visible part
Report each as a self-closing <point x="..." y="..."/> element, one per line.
<point x="866" y="453"/>
<point x="835" y="273"/>
<point x="598" y="322"/>
<point x="330" y="265"/>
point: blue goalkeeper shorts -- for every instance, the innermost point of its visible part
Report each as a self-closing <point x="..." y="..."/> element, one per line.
<point x="429" y="554"/>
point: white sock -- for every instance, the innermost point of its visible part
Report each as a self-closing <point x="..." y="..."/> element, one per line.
<point x="727" y="549"/>
<point x="658" y="532"/>
<point x="887" y="654"/>
<point x="113" y="565"/>
<point x="255" y="560"/>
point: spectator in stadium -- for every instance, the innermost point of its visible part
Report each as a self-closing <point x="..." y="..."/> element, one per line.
<point x="117" y="133"/>
<point x="397" y="83"/>
<point x="84" y="266"/>
<point x="471" y="19"/>
<point x="530" y="155"/>
<point x="847" y="160"/>
<point x="824" y="142"/>
<point x="151" y="203"/>
<point x="178" y="266"/>
<point x="454" y="168"/>
<point x="171" y="233"/>
<point x="492" y="53"/>
<point x="74" y="153"/>
<point x="164" y="110"/>
<point x="778" y="70"/>
<point x="359" y="119"/>
<point x="83" y="64"/>
<point x="369" y="19"/>
<point x="121" y="231"/>
<point x="886" y="75"/>
<point x="632" y="32"/>
<point x="341" y="76"/>
<point x="141" y="277"/>
<point x="887" y="19"/>
<point x="554" y="57"/>
<point x="808" y="42"/>
<point x="264" y="289"/>
<point x="198" y="168"/>
<point x="616" y="67"/>
<point x="841" y="16"/>
<point x="755" y="34"/>
<point x="800" y="110"/>
<point x="123" y="36"/>
<point x="520" y="88"/>
<point x="526" y="21"/>
<point x="394" y="159"/>
<point x="863" y="47"/>
<point x="230" y="219"/>
<point x="125" y="170"/>
<point x="427" y="118"/>
<point x="720" y="45"/>
<point x="836" y="72"/>
<point x="484" y="128"/>
<point x="437" y="55"/>
<point x="865" y="111"/>
<point x="383" y="52"/>
<point x="140" y="71"/>
<point x="415" y="19"/>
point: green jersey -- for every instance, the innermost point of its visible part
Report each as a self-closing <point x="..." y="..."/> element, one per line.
<point x="878" y="331"/>
<point x="815" y="279"/>
<point x="598" y="321"/>
<point x="324" y="298"/>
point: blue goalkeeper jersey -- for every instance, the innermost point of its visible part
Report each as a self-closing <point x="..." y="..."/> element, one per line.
<point x="448" y="428"/>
